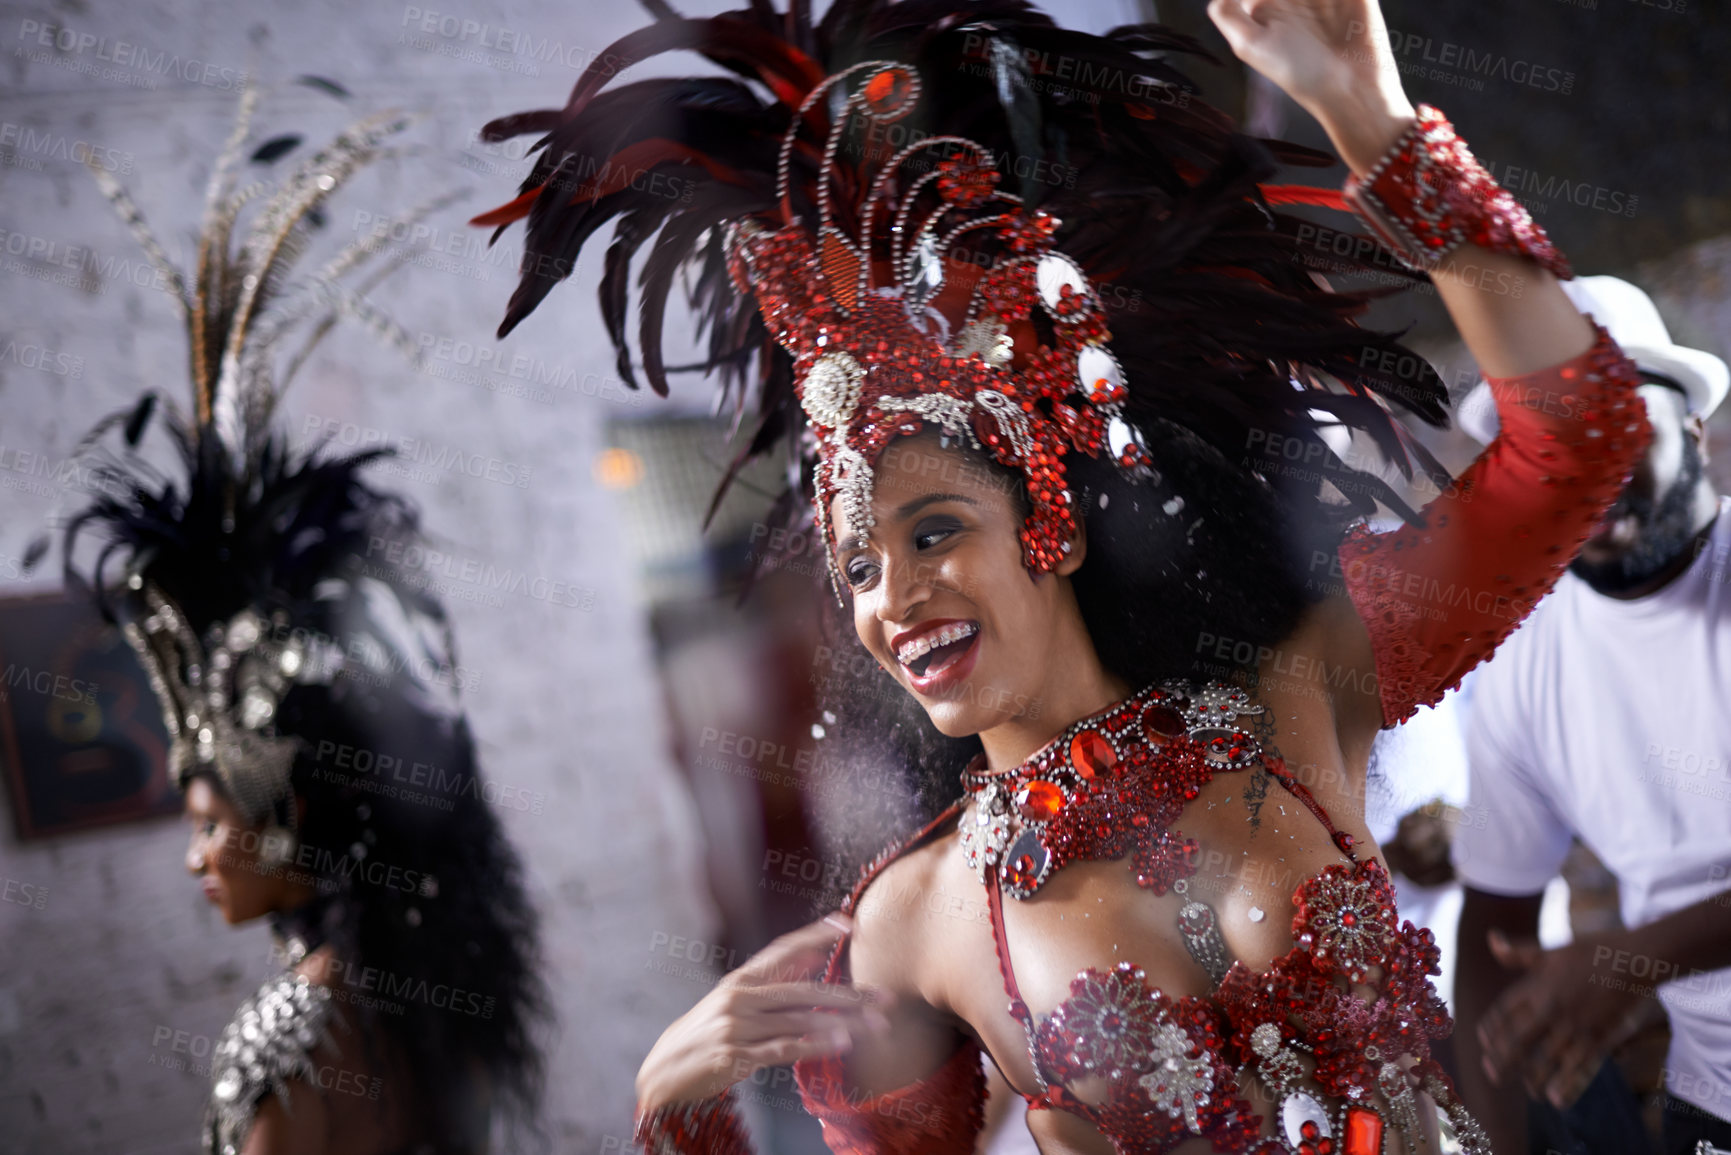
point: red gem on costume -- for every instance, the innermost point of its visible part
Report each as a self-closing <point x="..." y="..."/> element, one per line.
<point x="1363" y="1131"/>
<point x="1039" y="800"/>
<point x="1092" y="755"/>
<point x="1163" y="720"/>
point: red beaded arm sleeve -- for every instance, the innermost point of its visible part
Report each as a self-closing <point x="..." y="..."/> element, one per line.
<point x="707" y="1128"/>
<point x="940" y="1114"/>
<point x="1439" y="597"/>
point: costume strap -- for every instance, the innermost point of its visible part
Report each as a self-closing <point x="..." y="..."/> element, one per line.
<point x="877" y="866"/>
<point x="267" y="1045"/>
<point x="1049" y="1096"/>
<point x="1342" y="840"/>
<point x="1429" y="195"/>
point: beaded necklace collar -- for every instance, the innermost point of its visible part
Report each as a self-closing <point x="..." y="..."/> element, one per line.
<point x="1109" y="785"/>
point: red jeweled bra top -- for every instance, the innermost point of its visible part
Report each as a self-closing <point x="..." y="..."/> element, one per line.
<point x="1352" y="996"/>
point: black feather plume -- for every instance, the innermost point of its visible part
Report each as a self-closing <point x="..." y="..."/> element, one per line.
<point x="1218" y="311"/>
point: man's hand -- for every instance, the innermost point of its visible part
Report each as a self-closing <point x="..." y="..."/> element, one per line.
<point x="1420" y="846"/>
<point x="1554" y="1027"/>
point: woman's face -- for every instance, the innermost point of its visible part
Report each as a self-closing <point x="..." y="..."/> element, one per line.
<point x="224" y="855"/>
<point x="942" y="599"/>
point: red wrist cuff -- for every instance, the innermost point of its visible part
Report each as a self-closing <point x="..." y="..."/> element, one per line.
<point x="1428" y="196"/>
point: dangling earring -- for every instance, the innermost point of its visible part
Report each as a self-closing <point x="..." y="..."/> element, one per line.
<point x="276" y="845"/>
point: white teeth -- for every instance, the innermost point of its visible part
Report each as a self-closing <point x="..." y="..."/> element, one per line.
<point x="925" y="643"/>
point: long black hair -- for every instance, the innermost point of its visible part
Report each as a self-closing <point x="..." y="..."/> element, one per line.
<point x="420" y="894"/>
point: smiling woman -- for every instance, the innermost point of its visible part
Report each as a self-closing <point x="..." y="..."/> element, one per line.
<point x="1033" y="425"/>
<point x="1154" y="580"/>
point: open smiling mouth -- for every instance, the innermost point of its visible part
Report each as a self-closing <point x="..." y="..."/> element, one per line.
<point x="932" y="654"/>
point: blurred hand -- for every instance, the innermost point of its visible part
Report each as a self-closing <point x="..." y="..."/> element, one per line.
<point x="1420" y="846"/>
<point x="1554" y="1028"/>
<point x="767" y="1013"/>
<point x="1333" y="58"/>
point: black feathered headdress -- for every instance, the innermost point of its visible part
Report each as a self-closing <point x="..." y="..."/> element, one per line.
<point x="1117" y="200"/>
<point x="296" y="654"/>
<point x="253" y="571"/>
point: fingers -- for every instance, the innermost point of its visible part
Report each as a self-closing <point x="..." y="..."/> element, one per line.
<point x="1514" y="954"/>
<point x="1543" y="1061"/>
<point x="763" y="1028"/>
<point x="1512" y="1028"/>
<point x="1234" y="23"/>
<point x="799" y="953"/>
<point x="1577" y="1060"/>
<point x="802" y="996"/>
<point x="780" y="1052"/>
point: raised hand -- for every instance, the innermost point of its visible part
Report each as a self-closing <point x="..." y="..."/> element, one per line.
<point x="1333" y="58"/>
<point x="764" y="1014"/>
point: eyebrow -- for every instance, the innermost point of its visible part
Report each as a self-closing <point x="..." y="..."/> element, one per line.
<point x="905" y="510"/>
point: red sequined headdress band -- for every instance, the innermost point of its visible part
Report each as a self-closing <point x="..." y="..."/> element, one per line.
<point x="874" y="358"/>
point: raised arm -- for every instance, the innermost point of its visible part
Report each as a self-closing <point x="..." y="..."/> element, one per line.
<point x="1437" y="599"/>
<point x="1333" y="58"/>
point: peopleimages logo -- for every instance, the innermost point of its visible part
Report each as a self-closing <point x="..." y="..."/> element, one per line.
<point x="44" y="359"/>
<point x="435" y="459"/>
<point x="26" y="141"/>
<point x="86" y="52"/>
<point x="508" y="41"/>
<point x="1584" y="194"/>
<point x="1416" y="49"/>
<point x="424" y="567"/>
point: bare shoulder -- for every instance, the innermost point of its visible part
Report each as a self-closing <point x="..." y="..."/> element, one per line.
<point x="1328" y="658"/>
<point x="891" y="942"/>
<point x="907" y="945"/>
<point x="302" y="1126"/>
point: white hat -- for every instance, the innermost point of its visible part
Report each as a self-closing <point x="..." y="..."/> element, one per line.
<point x="1634" y="323"/>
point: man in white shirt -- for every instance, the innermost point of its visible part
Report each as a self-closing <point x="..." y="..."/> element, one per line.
<point x="1607" y="717"/>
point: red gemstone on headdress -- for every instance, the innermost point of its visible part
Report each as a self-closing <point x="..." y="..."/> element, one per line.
<point x="1091" y="754"/>
<point x="886" y="92"/>
<point x="1039" y="800"/>
<point x="841" y="268"/>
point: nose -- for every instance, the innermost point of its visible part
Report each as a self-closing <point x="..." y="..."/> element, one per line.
<point x="907" y="584"/>
<point x="195" y="861"/>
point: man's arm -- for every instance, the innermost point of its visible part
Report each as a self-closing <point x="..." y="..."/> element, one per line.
<point x="1554" y="1026"/>
<point x="1696" y="938"/>
<point x="1479" y="981"/>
